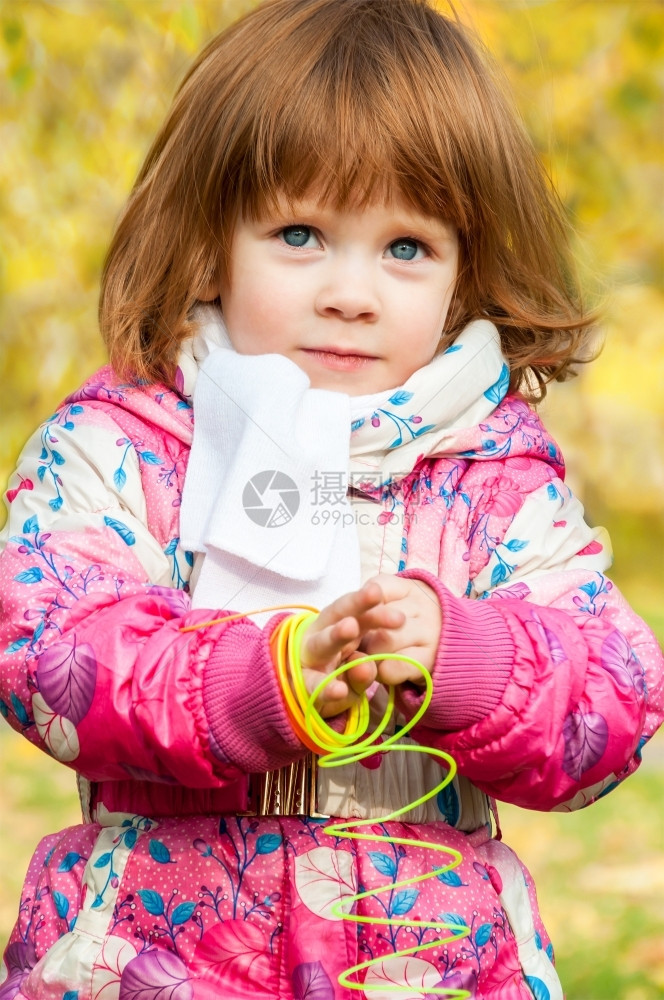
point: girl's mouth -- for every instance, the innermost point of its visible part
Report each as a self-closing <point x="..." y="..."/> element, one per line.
<point x="340" y="362"/>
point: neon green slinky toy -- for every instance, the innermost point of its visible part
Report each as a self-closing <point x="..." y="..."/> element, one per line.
<point x="349" y="747"/>
<point x="353" y="746"/>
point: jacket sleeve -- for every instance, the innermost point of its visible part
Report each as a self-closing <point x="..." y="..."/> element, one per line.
<point x="94" y="666"/>
<point x="546" y="685"/>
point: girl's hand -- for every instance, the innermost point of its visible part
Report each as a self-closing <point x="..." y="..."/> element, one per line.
<point x="418" y="636"/>
<point x="334" y="638"/>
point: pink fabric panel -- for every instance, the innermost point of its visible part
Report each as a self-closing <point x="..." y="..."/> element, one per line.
<point x="570" y="713"/>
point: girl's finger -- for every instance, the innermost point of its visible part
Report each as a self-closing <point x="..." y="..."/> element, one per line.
<point x="335" y="697"/>
<point x="381" y="640"/>
<point x="394" y="588"/>
<point x="382" y="617"/>
<point x="329" y="709"/>
<point x="374" y="619"/>
<point x="360" y="677"/>
<point x="398" y="671"/>
<point x="394" y="672"/>
<point x="336" y="691"/>
<point x="353" y="604"/>
<point x="319" y="647"/>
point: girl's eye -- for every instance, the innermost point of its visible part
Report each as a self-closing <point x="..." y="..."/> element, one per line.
<point x="298" y="236"/>
<point x="405" y="249"/>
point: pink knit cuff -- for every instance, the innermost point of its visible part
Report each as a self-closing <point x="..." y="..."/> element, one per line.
<point x="473" y="663"/>
<point x="243" y="701"/>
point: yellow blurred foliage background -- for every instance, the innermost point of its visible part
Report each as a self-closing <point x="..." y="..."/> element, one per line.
<point x="85" y="83"/>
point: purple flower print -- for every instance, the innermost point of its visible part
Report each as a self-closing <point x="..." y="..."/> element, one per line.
<point x="586" y="736"/>
<point x="67" y="675"/>
<point x="19" y="959"/>
<point x="155" y="975"/>
<point x="466" y="980"/>
<point x="620" y="660"/>
<point x="311" y="982"/>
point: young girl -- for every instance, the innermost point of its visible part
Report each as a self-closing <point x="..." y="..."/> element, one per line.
<point x="337" y="280"/>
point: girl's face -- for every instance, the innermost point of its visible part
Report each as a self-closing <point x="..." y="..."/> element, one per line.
<point x="357" y="299"/>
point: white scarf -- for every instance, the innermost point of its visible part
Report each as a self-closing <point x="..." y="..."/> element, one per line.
<point x="264" y="506"/>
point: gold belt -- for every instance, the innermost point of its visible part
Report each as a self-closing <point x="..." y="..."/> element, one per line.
<point x="289" y="791"/>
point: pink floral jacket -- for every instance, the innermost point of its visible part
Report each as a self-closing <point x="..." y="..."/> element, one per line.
<point x="546" y="687"/>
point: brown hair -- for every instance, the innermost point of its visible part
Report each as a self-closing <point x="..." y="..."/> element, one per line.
<point x="359" y="99"/>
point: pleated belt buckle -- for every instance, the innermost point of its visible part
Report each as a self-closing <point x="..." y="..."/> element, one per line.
<point x="288" y="791"/>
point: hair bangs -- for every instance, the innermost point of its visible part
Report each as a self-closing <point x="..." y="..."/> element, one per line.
<point x="348" y="123"/>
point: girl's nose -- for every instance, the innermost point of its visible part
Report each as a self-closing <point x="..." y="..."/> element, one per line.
<point x="348" y="291"/>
